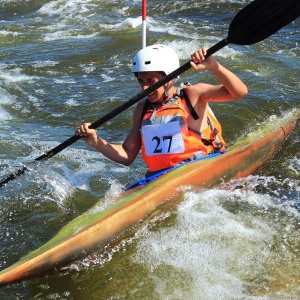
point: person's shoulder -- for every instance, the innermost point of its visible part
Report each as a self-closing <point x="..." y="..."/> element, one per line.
<point x="197" y="93"/>
<point x="195" y="85"/>
<point x="140" y="104"/>
<point x="197" y="88"/>
<point x="139" y="109"/>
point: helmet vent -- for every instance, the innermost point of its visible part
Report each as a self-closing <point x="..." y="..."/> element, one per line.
<point x="148" y="62"/>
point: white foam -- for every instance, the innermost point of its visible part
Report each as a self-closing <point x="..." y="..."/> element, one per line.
<point x="4" y="115"/>
<point x="67" y="13"/>
<point x="106" y="78"/>
<point x="7" y="32"/>
<point x="66" y="34"/>
<point x="88" y="68"/>
<point x="44" y="63"/>
<point x="62" y="7"/>
<point x="294" y="164"/>
<point x="212" y="250"/>
<point x="127" y="23"/>
<point x="15" y="75"/>
<point x="64" y="81"/>
<point x="72" y="102"/>
<point x="5" y="98"/>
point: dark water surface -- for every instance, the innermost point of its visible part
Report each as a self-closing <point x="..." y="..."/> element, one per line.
<point x="66" y="62"/>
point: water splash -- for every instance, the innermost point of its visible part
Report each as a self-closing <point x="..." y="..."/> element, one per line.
<point x="226" y="243"/>
<point x="38" y="182"/>
<point x="77" y="181"/>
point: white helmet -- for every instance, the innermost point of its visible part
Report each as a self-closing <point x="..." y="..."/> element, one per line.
<point x="155" y="58"/>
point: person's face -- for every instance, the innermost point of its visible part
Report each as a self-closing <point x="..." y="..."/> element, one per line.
<point x="146" y="79"/>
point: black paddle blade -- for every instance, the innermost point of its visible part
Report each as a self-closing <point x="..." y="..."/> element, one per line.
<point x="260" y="19"/>
<point x="12" y="176"/>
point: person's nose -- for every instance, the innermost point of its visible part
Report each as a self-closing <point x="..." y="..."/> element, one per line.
<point x="144" y="86"/>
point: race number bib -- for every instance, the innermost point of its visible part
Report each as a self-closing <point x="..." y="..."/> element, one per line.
<point x="163" y="138"/>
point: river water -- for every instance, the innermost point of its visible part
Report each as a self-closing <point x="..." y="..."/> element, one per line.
<point x="66" y="62"/>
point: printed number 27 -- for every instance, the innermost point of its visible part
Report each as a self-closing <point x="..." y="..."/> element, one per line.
<point x="158" y="149"/>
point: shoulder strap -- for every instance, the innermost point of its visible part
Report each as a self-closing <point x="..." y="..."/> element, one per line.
<point x="145" y="108"/>
<point x="189" y="105"/>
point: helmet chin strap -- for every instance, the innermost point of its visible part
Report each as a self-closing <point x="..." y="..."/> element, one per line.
<point x="166" y="93"/>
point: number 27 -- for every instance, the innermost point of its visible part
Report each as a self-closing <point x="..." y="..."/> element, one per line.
<point x="158" y="149"/>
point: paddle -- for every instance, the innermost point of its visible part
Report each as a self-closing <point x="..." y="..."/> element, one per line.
<point x="255" y="22"/>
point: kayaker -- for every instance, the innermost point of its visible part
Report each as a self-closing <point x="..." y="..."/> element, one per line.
<point x="173" y="124"/>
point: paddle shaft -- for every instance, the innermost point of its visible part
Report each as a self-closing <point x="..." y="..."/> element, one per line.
<point x="255" y="22"/>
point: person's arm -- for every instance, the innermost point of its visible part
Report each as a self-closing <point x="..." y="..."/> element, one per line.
<point x="231" y="87"/>
<point x="121" y="153"/>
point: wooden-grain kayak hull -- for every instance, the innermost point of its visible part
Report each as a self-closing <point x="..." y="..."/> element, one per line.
<point x="99" y="228"/>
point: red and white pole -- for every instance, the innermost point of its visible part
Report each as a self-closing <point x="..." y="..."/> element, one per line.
<point x="144" y="14"/>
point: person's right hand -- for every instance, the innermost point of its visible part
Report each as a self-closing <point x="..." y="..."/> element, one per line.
<point x="87" y="134"/>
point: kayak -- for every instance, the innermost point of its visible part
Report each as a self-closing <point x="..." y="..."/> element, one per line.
<point x="98" y="228"/>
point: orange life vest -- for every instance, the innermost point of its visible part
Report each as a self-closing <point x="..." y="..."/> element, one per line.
<point x="167" y="139"/>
